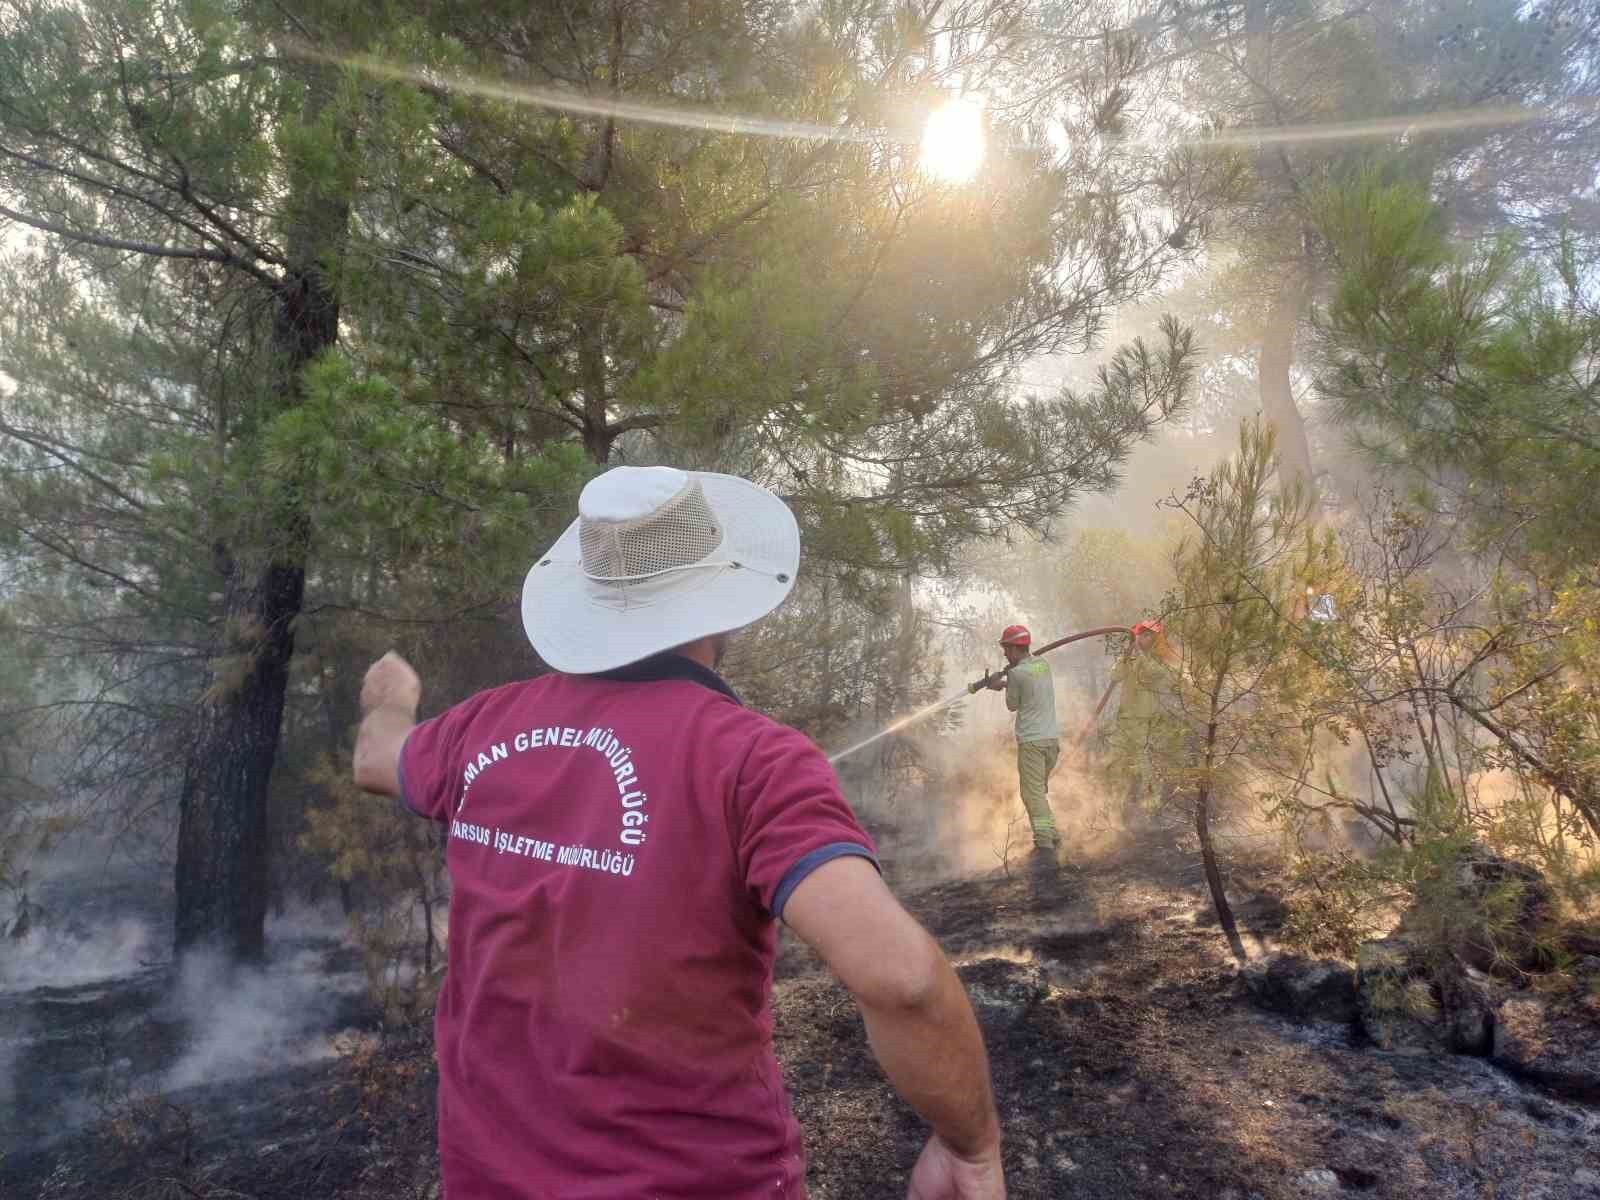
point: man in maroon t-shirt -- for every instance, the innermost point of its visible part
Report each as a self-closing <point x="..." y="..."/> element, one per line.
<point x="623" y="837"/>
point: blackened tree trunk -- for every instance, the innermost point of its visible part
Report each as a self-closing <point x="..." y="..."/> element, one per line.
<point x="1202" y="823"/>
<point x="222" y="823"/>
<point x="1208" y="857"/>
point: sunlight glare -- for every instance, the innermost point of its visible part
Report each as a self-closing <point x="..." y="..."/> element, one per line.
<point x="952" y="143"/>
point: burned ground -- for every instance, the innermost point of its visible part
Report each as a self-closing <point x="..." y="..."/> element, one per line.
<point x="1129" y="1062"/>
<point x="1126" y="1055"/>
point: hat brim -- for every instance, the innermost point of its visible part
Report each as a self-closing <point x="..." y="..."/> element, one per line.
<point x="579" y="627"/>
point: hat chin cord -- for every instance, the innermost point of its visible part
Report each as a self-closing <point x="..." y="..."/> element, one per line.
<point x="780" y="576"/>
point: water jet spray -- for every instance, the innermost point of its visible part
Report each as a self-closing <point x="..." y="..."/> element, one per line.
<point x="939" y="705"/>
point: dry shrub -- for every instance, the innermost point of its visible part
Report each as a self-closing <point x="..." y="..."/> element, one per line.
<point x="393" y="863"/>
<point x="396" y="1077"/>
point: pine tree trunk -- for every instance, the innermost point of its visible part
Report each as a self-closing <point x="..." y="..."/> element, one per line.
<point x="222" y="821"/>
<point x="221" y="876"/>
<point x="1276" y="356"/>
<point x="1202" y="823"/>
<point x="1208" y="857"/>
<point x="1277" y="396"/>
<point x="597" y="436"/>
<point x="826" y="685"/>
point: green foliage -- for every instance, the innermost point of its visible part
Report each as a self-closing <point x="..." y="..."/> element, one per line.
<point x="1466" y="369"/>
<point x="1470" y="366"/>
<point x="1548" y="708"/>
<point x="819" y="317"/>
<point x="1334" y="903"/>
<point x="518" y="295"/>
<point x="1459" y="900"/>
<point x="370" y="468"/>
<point x="1428" y="871"/>
<point x="1467" y="702"/>
<point x="1247" y="699"/>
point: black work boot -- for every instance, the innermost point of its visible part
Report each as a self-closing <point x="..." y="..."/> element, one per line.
<point x="1042" y="875"/>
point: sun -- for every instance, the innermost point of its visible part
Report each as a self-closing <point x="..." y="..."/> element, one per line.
<point x="952" y="142"/>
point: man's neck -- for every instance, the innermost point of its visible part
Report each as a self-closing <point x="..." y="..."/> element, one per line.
<point x="672" y="664"/>
<point x="702" y="651"/>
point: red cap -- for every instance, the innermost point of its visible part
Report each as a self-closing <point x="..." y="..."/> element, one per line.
<point x="1016" y="635"/>
<point x="1146" y="627"/>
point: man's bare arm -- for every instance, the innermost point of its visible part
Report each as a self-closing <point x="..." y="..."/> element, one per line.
<point x="918" y="1018"/>
<point x="389" y="698"/>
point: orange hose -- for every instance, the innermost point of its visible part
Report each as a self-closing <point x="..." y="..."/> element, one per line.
<point x="1049" y="646"/>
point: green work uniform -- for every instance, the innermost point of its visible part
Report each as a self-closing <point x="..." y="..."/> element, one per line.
<point x="1031" y="694"/>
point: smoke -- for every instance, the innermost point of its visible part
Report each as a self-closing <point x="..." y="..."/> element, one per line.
<point x="245" y="1020"/>
<point x="13" y="1038"/>
<point x="298" y="920"/>
<point x="94" y="1013"/>
<point x="80" y="913"/>
<point x="943" y="796"/>
<point x="62" y="957"/>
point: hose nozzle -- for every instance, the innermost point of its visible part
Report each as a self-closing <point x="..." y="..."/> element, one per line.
<point x="978" y="685"/>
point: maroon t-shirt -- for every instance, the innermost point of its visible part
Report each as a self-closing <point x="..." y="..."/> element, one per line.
<point x="618" y="851"/>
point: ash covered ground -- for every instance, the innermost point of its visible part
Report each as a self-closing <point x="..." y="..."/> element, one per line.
<point x="1127" y="1056"/>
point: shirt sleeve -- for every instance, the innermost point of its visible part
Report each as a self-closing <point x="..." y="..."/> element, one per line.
<point x="791" y="817"/>
<point x="431" y="760"/>
<point x="1013" y="691"/>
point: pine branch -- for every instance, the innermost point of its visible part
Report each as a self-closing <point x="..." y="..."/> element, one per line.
<point x="638" y="421"/>
<point x="67" y="552"/>
<point x="477" y="166"/>
<point x="149" y="249"/>
<point x="114" y="189"/>
<point x="56" y="451"/>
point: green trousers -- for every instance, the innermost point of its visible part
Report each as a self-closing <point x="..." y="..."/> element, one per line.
<point x="1035" y="761"/>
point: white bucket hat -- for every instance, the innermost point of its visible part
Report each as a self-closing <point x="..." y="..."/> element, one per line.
<point x="658" y="557"/>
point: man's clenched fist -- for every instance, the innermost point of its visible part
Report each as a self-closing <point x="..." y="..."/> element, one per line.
<point x="391" y="683"/>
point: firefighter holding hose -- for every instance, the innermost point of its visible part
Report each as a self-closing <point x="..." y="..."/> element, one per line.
<point x="1031" y="694"/>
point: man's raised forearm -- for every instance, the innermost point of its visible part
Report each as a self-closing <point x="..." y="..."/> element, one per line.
<point x="378" y="743"/>
<point x="932" y="1051"/>
<point x="390" y="694"/>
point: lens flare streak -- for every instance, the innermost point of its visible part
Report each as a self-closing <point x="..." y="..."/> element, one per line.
<point x="1497" y="117"/>
<point x="560" y="100"/>
<point x="945" y="124"/>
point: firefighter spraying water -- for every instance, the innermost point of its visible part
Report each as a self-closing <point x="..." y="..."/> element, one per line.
<point x="1031" y="693"/>
<point x="1029" y="687"/>
<point x="942" y="704"/>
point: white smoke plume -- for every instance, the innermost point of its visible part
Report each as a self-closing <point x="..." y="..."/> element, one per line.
<point x="51" y="956"/>
<point x="246" y="1019"/>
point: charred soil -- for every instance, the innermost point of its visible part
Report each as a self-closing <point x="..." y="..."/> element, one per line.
<point x="1127" y="1057"/>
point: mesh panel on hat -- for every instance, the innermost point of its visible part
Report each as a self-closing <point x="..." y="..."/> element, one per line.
<point x="678" y="534"/>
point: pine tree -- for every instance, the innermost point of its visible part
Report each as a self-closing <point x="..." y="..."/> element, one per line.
<point x="1375" y="78"/>
<point x="1470" y="364"/>
<point x="1246" y="700"/>
<point x="1469" y="369"/>
<point x="317" y="336"/>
